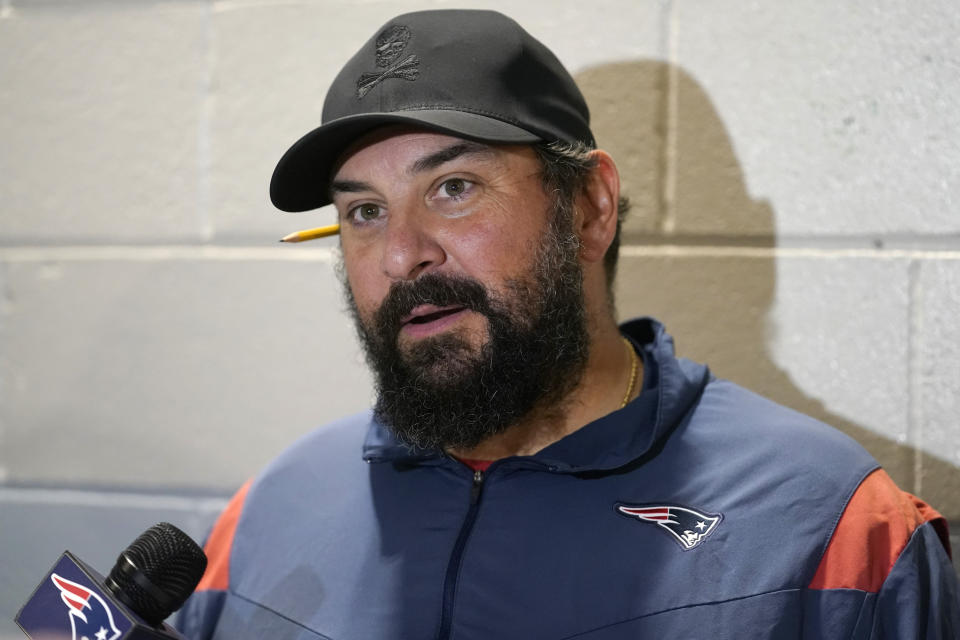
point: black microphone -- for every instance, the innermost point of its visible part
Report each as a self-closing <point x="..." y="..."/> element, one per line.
<point x="151" y="579"/>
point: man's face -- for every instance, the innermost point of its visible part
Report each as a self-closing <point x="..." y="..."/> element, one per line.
<point x="464" y="282"/>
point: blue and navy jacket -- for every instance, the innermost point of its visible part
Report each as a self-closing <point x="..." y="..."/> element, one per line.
<point x="700" y="510"/>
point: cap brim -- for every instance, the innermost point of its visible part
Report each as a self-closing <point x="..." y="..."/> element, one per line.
<point x="301" y="179"/>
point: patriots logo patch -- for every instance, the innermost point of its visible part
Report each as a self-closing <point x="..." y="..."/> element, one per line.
<point x="688" y="527"/>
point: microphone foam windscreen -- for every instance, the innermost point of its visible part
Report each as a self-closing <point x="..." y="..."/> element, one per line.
<point x="158" y="571"/>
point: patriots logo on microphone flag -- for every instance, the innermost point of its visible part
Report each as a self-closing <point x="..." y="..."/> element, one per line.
<point x="90" y="616"/>
<point x="69" y="603"/>
<point x="688" y="527"/>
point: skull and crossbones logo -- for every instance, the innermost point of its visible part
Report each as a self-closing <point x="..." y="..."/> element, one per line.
<point x="390" y="45"/>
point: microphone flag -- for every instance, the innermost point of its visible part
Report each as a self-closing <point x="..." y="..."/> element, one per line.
<point x="71" y="603"/>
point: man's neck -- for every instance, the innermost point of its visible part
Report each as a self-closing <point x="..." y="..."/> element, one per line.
<point x="601" y="390"/>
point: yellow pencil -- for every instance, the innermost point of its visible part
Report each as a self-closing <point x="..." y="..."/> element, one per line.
<point x="312" y="234"/>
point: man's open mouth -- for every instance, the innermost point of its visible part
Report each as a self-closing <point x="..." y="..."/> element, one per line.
<point x="436" y="315"/>
<point x="428" y="316"/>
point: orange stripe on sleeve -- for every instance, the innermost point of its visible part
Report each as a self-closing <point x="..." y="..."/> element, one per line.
<point x="873" y="530"/>
<point x="220" y="542"/>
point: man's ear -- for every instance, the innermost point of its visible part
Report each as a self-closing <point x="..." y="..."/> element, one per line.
<point x="597" y="207"/>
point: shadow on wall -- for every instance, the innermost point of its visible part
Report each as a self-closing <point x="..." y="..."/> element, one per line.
<point x="717" y="305"/>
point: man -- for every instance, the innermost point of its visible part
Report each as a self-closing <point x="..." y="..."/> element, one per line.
<point x="533" y="470"/>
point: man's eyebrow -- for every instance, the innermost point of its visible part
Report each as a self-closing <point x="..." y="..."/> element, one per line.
<point x="348" y="186"/>
<point x="447" y="154"/>
<point x="425" y="163"/>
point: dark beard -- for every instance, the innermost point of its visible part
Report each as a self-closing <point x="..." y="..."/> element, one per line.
<point x="441" y="393"/>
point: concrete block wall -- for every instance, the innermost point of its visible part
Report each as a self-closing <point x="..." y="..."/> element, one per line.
<point x="795" y="224"/>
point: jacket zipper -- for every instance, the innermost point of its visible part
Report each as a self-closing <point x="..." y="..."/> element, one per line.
<point x="453" y="568"/>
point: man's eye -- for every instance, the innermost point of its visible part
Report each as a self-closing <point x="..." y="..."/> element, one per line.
<point x="455" y="187"/>
<point x="366" y="212"/>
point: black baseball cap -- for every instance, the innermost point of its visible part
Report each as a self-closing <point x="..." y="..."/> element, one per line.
<point x="469" y="73"/>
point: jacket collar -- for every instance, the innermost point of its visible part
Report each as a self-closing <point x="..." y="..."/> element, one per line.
<point x="671" y="387"/>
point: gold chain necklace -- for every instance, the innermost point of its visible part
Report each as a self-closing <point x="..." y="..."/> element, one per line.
<point x="633" y="371"/>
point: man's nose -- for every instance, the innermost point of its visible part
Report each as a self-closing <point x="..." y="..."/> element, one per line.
<point x="410" y="246"/>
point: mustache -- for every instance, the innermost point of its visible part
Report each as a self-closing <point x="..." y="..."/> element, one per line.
<point x="434" y="289"/>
